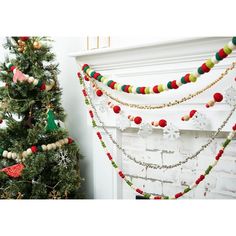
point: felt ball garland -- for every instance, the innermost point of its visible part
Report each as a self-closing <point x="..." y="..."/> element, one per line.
<point x="19" y="76"/>
<point x="217" y="97"/>
<point x="175" y="84"/>
<point x="159" y="197"/>
<point x="162" y="123"/>
<point x="34" y="149"/>
<point x="188" y="117"/>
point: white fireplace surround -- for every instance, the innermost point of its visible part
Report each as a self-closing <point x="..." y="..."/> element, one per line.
<point x="148" y="65"/>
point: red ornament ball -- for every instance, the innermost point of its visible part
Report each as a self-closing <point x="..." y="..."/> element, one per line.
<point x="162" y="123"/>
<point x="116" y="109"/>
<point x="192" y="113"/>
<point x="99" y="93"/>
<point x="70" y="140"/>
<point x="43" y="87"/>
<point x="24" y="38"/>
<point x="86" y="78"/>
<point x="34" y="149"/>
<point x="218" y="97"/>
<point x="137" y="120"/>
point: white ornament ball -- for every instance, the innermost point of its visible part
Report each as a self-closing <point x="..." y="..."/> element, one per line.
<point x="49" y="147"/>
<point x="44" y="147"/>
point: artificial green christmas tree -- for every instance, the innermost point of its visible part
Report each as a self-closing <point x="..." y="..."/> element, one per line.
<point x="37" y="158"/>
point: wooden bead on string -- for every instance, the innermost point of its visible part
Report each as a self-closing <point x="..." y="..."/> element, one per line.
<point x="217" y="97"/>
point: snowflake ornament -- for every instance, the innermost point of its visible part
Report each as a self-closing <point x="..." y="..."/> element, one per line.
<point x="199" y="121"/>
<point x="145" y="130"/>
<point x="171" y="132"/>
<point x="123" y="122"/>
<point x="102" y="105"/>
<point x="230" y="96"/>
<point x="62" y="158"/>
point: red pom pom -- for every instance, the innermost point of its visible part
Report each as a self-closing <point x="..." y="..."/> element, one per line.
<point x="70" y="140"/>
<point x="234" y="127"/>
<point x="157" y="197"/>
<point x="186" y="78"/>
<point x="86" y="78"/>
<point x="99" y="93"/>
<point x="142" y="90"/>
<point x="174" y="85"/>
<point x="78" y="74"/>
<point x="137" y="120"/>
<point x="155" y="89"/>
<point x="96" y="75"/>
<point x="109" y="156"/>
<point x="24" y="38"/>
<point x="34" y="149"/>
<point x="99" y="135"/>
<point x="162" y="123"/>
<point x="222" y="53"/>
<point x="178" y="195"/>
<point x="202" y="177"/>
<point x="139" y="191"/>
<point x="116" y="109"/>
<point x="205" y="68"/>
<point x="192" y="113"/>
<point x="85" y="65"/>
<point x="1" y="121"/>
<point x="12" y="68"/>
<point x="121" y="174"/>
<point x="112" y="85"/>
<point x="43" y="87"/>
<point x="218" y="97"/>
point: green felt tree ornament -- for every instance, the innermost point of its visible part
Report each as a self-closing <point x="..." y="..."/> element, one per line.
<point x="51" y="124"/>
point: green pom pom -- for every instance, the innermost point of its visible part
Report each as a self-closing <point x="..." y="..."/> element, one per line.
<point x="99" y="78"/>
<point x="138" y="90"/>
<point x="166" y="197"/>
<point x="192" y="78"/>
<point x="147" y="195"/>
<point x="109" y="82"/>
<point x="208" y="170"/>
<point x="39" y="84"/>
<point x="92" y="73"/>
<point x="86" y="68"/>
<point x="40" y="148"/>
<point x="169" y="85"/>
<point x="183" y="81"/>
<point x="234" y="40"/>
<point x="227" y="50"/>
<point x="123" y="87"/>
<point x="200" y="71"/>
<point x="218" y="58"/>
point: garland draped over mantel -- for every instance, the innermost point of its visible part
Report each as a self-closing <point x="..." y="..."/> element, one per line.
<point x="125" y="178"/>
<point x="175" y="84"/>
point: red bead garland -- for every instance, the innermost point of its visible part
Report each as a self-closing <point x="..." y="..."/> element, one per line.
<point x="34" y="149"/>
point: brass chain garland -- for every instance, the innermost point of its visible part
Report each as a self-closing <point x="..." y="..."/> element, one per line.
<point x="164" y="105"/>
<point x="150" y="165"/>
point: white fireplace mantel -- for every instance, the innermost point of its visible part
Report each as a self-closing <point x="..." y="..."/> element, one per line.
<point x="147" y="65"/>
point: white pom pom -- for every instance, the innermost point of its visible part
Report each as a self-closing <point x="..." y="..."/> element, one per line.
<point x="49" y="147"/>
<point x="214" y="60"/>
<point x="4" y="154"/>
<point x="54" y="146"/>
<point x="44" y="147"/>
<point x="24" y="154"/>
<point x="66" y="140"/>
<point x="35" y="82"/>
<point x="30" y="79"/>
<point x="9" y="155"/>
<point x="231" y="45"/>
<point x="14" y="155"/>
<point x="29" y="151"/>
<point x="134" y="89"/>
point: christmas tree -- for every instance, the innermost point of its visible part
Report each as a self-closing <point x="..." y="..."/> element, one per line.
<point x="38" y="160"/>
